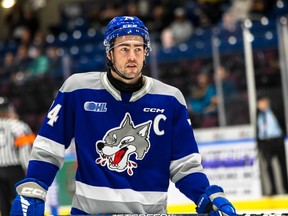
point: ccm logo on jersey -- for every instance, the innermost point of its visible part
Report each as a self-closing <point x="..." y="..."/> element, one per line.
<point x="154" y="110"/>
<point x="33" y="191"/>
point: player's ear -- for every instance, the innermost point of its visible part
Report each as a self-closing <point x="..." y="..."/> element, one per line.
<point x="109" y="55"/>
<point x="145" y="52"/>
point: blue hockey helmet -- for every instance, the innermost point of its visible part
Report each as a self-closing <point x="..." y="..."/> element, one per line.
<point x="126" y="25"/>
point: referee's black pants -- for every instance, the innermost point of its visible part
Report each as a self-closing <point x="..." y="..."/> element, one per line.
<point x="8" y="177"/>
<point x="270" y="148"/>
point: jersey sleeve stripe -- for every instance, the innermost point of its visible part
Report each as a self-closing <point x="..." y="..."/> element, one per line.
<point x="185" y="166"/>
<point x="44" y="148"/>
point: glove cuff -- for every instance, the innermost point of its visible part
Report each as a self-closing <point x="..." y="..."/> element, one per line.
<point x="32" y="188"/>
<point x="215" y="191"/>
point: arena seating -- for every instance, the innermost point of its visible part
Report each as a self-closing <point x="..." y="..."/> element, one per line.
<point x="83" y="44"/>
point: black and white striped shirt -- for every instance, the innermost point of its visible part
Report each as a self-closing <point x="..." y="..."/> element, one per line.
<point x="16" y="139"/>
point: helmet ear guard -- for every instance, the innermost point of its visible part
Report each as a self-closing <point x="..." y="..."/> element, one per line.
<point x="126" y="25"/>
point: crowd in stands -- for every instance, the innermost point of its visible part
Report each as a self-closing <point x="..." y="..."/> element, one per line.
<point x="32" y="57"/>
<point x="169" y="22"/>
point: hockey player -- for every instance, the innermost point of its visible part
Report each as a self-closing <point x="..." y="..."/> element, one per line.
<point x="132" y="134"/>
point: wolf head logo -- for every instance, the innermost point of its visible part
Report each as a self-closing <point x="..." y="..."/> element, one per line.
<point x="120" y="143"/>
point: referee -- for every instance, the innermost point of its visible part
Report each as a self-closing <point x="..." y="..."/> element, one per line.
<point x="16" y="140"/>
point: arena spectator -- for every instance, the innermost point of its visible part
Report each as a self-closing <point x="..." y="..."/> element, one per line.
<point x="222" y="75"/>
<point x="55" y="68"/>
<point x="181" y="27"/>
<point x="22" y="61"/>
<point x="39" y="64"/>
<point x="239" y="10"/>
<point x="13" y="21"/>
<point x="25" y="37"/>
<point x="158" y="21"/>
<point x="8" y="67"/>
<point x="210" y="12"/>
<point x="111" y="10"/>
<point x="201" y="101"/>
<point x="132" y="9"/>
<point x="270" y="134"/>
<point x="167" y="39"/>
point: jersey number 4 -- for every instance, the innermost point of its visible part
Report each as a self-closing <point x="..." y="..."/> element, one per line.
<point x="53" y="114"/>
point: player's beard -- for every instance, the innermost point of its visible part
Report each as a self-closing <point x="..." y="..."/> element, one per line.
<point x="131" y="70"/>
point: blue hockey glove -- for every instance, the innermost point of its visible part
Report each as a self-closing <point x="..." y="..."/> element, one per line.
<point x="214" y="202"/>
<point x="30" y="199"/>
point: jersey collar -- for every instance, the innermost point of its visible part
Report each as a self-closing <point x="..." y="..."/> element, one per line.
<point x="148" y="81"/>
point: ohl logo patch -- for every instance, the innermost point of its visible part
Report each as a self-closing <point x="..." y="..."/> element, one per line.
<point x="120" y="143"/>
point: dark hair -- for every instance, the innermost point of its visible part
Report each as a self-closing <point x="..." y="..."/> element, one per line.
<point x="262" y="96"/>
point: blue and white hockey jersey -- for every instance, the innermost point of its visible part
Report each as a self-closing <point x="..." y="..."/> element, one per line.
<point x="128" y="146"/>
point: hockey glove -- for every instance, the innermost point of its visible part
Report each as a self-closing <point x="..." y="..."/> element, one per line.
<point x="214" y="202"/>
<point x="30" y="199"/>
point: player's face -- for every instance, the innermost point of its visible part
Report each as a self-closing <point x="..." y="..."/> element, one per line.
<point x="128" y="56"/>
